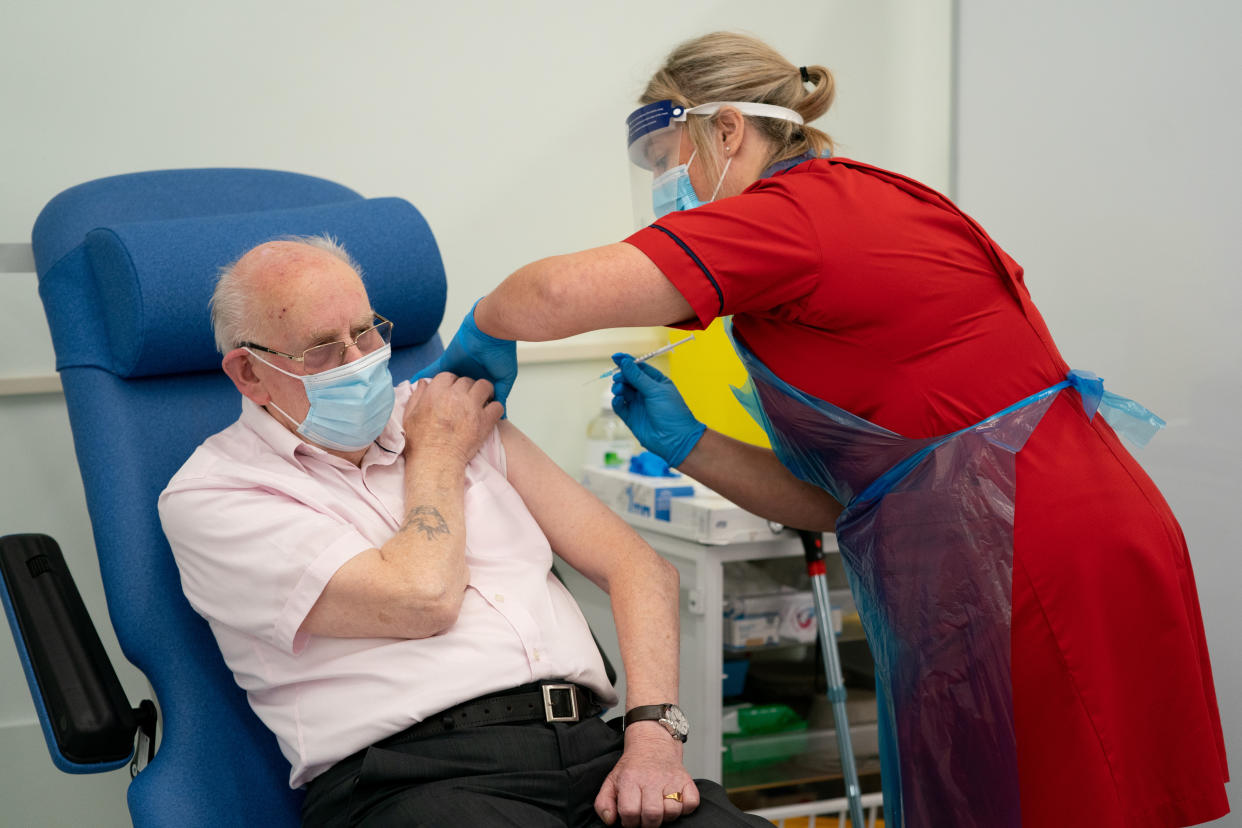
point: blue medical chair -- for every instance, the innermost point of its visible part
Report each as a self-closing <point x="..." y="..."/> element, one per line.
<point x="126" y="266"/>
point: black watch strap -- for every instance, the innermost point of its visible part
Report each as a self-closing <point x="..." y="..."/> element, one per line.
<point x="644" y="713"/>
<point x="668" y="716"/>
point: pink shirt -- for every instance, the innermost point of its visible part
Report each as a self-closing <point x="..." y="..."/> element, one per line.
<point x="259" y="521"/>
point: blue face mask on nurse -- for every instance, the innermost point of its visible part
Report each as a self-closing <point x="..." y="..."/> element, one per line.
<point x="657" y="141"/>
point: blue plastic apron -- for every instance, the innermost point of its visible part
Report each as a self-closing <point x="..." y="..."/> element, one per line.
<point x="927" y="539"/>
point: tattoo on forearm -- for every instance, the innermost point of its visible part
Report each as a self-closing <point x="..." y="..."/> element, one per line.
<point x="428" y="520"/>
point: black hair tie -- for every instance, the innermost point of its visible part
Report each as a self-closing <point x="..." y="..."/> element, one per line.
<point x="806" y="76"/>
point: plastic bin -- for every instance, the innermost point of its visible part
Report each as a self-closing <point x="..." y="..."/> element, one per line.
<point x="734" y="676"/>
<point x="766" y="734"/>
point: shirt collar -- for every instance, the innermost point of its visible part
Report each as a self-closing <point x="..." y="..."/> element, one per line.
<point x="391" y="441"/>
<point x="283" y="441"/>
<point x="790" y="163"/>
<point x="386" y="448"/>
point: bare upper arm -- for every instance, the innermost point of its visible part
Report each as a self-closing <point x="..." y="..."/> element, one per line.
<point x="605" y="287"/>
<point x="580" y="528"/>
<point x="621" y="282"/>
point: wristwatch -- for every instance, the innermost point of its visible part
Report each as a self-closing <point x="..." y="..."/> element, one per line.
<point x="668" y="715"/>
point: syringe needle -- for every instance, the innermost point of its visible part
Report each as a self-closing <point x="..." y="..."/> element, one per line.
<point x="643" y="358"/>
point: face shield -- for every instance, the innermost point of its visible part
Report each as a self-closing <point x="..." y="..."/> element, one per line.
<point x="659" y="182"/>
<point x="654" y="140"/>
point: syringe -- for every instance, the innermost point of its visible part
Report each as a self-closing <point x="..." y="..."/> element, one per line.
<point x="643" y="358"/>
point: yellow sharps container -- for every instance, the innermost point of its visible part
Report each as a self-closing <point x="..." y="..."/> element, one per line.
<point x="704" y="371"/>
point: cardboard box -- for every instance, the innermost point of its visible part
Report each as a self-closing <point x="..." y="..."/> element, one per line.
<point x="712" y="519"/>
<point x="753" y="631"/>
<point x="798" y="621"/>
<point x="794" y="609"/>
<point x="636" y="494"/>
<point x="676" y="506"/>
<point x="745" y="606"/>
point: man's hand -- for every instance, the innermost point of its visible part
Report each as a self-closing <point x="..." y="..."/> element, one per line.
<point x="650" y="768"/>
<point x="451" y="416"/>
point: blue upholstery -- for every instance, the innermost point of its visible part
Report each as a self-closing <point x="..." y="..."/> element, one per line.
<point x="126" y="265"/>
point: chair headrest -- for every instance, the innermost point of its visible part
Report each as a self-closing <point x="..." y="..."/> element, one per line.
<point x="171" y="194"/>
<point x="154" y="279"/>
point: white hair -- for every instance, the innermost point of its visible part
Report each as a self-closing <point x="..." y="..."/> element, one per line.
<point x="231" y="322"/>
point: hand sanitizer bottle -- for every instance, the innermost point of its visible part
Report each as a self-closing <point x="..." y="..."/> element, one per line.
<point x="609" y="443"/>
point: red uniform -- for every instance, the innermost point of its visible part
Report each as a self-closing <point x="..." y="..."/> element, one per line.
<point x="874" y="293"/>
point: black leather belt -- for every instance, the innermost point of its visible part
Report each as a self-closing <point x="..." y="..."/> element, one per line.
<point x="545" y="701"/>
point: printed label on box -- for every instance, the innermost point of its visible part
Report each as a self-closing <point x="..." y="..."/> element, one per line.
<point x="635" y="494"/>
<point x="756" y="631"/>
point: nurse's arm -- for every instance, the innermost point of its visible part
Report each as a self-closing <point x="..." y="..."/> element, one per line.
<point x="615" y="286"/>
<point x="753" y="478"/>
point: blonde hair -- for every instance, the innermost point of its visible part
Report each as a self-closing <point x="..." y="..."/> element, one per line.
<point x="231" y="320"/>
<point x="725" y="66"/>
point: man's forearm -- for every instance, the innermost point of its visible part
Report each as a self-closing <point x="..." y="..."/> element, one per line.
<point x="412" y="586"/>
<point x="428" y="551"/>
<point x="645" y="610"/>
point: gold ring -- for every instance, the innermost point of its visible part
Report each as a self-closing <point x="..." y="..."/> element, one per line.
<point x="675" y="796"/>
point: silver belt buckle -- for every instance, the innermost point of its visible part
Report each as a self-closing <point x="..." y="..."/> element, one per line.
<point x="549" y="707"/>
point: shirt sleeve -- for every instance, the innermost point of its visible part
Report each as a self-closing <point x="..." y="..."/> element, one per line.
<point x="253" y="559"/>
<point x="747" y="254"/>
<point x="493" y="450"/>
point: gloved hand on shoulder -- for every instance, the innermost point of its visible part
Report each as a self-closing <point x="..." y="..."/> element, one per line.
<point x="474" y="354"/>
<point x="653" y="409"/>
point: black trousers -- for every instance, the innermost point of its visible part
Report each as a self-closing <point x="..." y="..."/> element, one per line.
<point x="523" y="776"/>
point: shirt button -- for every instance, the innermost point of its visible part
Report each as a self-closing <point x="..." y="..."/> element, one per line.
<point x="537" y="655"/>
<point x="500" y="599"/>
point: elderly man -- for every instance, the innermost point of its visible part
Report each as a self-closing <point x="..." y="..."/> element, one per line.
<point x="375" y="565"/>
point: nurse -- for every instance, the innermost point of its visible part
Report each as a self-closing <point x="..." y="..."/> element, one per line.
<point x="1026" y="590"/>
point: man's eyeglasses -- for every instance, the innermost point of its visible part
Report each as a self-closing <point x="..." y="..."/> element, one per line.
<point x="331" y="355"/>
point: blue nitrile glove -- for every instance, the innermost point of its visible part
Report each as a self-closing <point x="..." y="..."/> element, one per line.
<point x="474" y="354"/>
<point x="654" y="410"/>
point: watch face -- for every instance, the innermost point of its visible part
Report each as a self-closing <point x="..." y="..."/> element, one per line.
<point x="676" y="722"/>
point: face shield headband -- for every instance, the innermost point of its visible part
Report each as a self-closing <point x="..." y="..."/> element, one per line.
<point x="659" y="184"/>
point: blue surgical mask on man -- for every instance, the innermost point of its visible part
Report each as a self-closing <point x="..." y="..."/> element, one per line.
<point x="672" y="190"/>
<point x="349" y="405"/>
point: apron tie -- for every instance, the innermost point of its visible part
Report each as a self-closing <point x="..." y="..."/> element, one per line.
<point x="1129" y="419"/>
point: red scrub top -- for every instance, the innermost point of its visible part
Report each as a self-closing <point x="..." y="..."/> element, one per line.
<point x="873" y="292"/>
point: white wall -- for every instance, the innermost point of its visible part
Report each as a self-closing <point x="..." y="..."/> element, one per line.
<point x="1098" y="142"/>
<point x="502" y="122"/>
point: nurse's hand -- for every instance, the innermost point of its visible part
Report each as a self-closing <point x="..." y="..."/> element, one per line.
<point x="474" y="354"/>
<point x="654" y="410"/>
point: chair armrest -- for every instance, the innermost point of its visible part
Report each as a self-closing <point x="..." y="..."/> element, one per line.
<point x="86" y="718"/>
